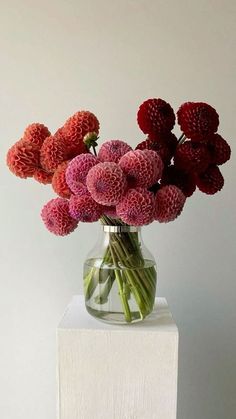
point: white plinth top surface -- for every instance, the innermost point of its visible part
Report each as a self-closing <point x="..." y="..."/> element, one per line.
<point x="77" y="317"/>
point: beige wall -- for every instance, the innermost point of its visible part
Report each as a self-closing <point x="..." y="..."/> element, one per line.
<point x="108" y="56"/>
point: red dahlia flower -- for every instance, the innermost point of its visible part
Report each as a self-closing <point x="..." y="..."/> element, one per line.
<point x="155" y="116"/>
<point x="192" y="157"/>
<point x="183" y="180"/>
<point x="59" y="181"/>
<point x="164" y="145"/>
<point x="35" y="134"/>
<point x="211" y="181"/>
<point x="218" y="148"/>
<point x="23" y="159"/>
<point x="197" y="120"/>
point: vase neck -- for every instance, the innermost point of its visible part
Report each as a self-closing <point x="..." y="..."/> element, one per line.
<point x="120" y="229"/>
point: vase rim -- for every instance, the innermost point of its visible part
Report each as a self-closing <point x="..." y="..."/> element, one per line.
<point x="120" y="229"/>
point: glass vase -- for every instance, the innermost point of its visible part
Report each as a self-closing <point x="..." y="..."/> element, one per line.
<point x="120" y="276"/>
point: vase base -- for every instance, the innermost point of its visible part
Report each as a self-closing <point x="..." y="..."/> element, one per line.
<point x="114" y="317"/>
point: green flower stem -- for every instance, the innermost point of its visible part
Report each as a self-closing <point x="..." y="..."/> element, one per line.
<point x="123" y="296"/>
<point x="102" y="297"/>
<point x="90" y="284"/>
<point x="94" y="150"/>
<point x="181" y="139"/>
<point x="133" y="288"/>
<point x="146" y="279"/>
<point x="141" y="274"/>
<point x="107" y="259"/>
<point x="133" y="237"/>
<point x="149" y="273"/>
<point x="138" y="290"/>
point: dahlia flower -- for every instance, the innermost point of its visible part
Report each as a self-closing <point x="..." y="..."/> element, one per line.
<point x="192" y="157"/>
<point x="183" y="180"/>
<point x="35" y="134"/>
<point x="197" y="120"/>
<point x="113" y="150"/>
<point x="53" y="152"/>
<point x="109" y="211"/>
<point x="211" y="181"/>
<point x="23" y="159"/>
<point x="155" y="116"/>
<point x="77" y="171"/>
<point x="164" y="145"/>
<point x="84" y="208"/>
<point x="42" y="176"/>
<point x="59" y="181"/>
<point x="169" y="202"/>
<point x="218" y="148"/>
<point x="106" y="183"/>
<point x="76" y="127"/>
<point x="142" y="167"/>
<point x="56" y="217"/>
<point x="136" y="207"/>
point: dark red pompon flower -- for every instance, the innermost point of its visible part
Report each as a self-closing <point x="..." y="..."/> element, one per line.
<point x="183" y="180"/>
<point x="192" y="157"/>
<point x="211" y="181"/>
<point x="219" y="149"/>
<point x="197" y="120"/>
<point x="164" y="145"/>
<point x="155" y="116"/>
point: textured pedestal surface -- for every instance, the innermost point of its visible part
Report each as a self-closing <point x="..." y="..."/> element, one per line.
<point x="117" y="372"/>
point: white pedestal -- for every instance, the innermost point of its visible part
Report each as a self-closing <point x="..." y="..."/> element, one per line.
<point x="117" y="372"/>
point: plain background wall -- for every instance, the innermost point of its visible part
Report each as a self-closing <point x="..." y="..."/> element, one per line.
<point x="57" y="57"/>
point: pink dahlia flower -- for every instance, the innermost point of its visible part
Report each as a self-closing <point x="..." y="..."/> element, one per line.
<point x="136" y="207"/>
<point x="106" y="183"/>
<point x="143" y="168"/>
<point x="169" y="202"/>
<point x="56" y="217"/>
<point x="81" y="190"/>
<point x="84" y="208"/>
<point x="77" y="171"/>
<point x="113" y="150"/>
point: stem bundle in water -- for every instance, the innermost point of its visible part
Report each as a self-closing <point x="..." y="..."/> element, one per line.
<point x="123" y="265"/>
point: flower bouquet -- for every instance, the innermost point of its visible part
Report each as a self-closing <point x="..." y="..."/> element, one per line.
<point x="124" y="189"/>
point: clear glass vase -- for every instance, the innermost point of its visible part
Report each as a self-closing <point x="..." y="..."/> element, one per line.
<point x="120" y="276"/>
